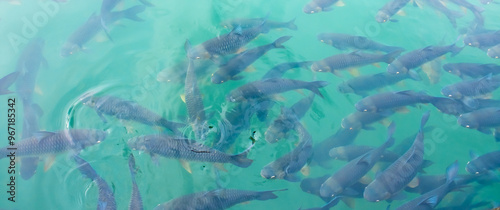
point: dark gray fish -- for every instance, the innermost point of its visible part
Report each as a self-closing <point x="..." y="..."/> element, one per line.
<point x="245" y="23"/>
<point x="28" y="64"/>
<point x="186" y="149"/>
<point x="346" y="41"/>
<point x="108" y="5"/>
<point x="471" y="88"/>
<point x="480" y="119"/>
<point x="350" y="173"/>
<point x="216" y="199"/>
<point x="49" y="143"/>
<point x="485" y="1"/>
<point x="450" y="106"/>
<point x="313" y="185"/>
<point x="94" y="25"/>
<point x="385" y="13"/>
<point x="394" y="178"/>
<point x="464" y="3"/>
<point x="484" y="163"/>
<point x="351" y="152"/>
<point x="31" y="115"/>
<point x="408" y="61"/>
<point x="106" y="200"/>
<point x="128" y="110"/>
<point x="464" y="201"/>
<point x="390" y="100"/>
<point x="240" y="62"/>
<point x="450" y="14"/>
<point x="194" y="101"/>
<point x="494" y="52"/>
<point x="483" y="40"/>
<point x="427" y="183"/>
<point x="289" y="164"/>
<point x="315" y="6"/>
<point x="432" y="198"/>
<point x="280" y="69"/>
<point x="267" y="87"/>
<point x="227" y="43"/>
<point x="473" y="70"/>
<point x="135" y="198"/>
<point x="349" y="60"/>
<point x="362" y="84"/>
<point x="341" y="138"/>
<point x="361" y="120"/>
<point x="286" y="121"/>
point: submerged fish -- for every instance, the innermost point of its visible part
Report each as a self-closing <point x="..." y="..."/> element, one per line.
<point x="346" y="41"/>
<point x="361" y="120"/>
<point x="450" y="14"/>
<point x="315" y="6"/>
<point x="351" y="152"/>
<point x="186" y="149"/>
<point x="450" y="106"/>
<point x="395" y="177"/>
<point x="7" y="81"/>
<point x="362" y="84"/>
<point x="245" y="23"/>
<point x="471" y="88"/>
<point x="390" y="100"/>
<point x="494" y="52"/>
<point x="267" y="87"/>
<point x="482" y="120"/>
<point x="341" y="138"/>
<point x="106" y="200"/>
<point x="483" y="40"/>
<point x="216" y="199"/>
<point x="482" y="164"/>
<point x="344" y="61"/>
<point x="385" y="13"/>
<point x="128" y="110"/>
<point x="135" y="198"/>
<point x="473" y="70"/>
<point x="240" y="62"/>
<point x="280" y="69"/>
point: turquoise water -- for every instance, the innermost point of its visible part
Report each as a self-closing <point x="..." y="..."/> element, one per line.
<point x="131" y="66"/>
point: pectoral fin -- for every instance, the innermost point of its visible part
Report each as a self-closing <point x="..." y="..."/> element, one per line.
<point x="186" y="166"/>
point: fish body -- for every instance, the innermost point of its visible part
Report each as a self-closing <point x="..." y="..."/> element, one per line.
<point x="349" y="60"/>
<point x="186" y="149"/>
<point x="351" y="152"/>
<point x="361" y="120"/>
<point x="473" y="70"/>
<point x="482" y="164"/>
<point x="494" y="52"/>
<point x="216" y="199"/>
<point x="385" y="13"/>
<point x="362" y="84"/>
<point x="346" y="41"/>
<point x="245" y="23"/>
<point x="471" y="88"/>
<point x="267" y="87"/>
<point x="450" y="106"/>
<point x="30" y="61"/>
<point x="395" y="177"/>
<point x="280" y="69"/>
<point x="240" y="62"/>
<point x="483" y="40"/>
<point x="341" y="138"/>
<point x="450" y="14"/>
<point x="315" y="6"/>
<point x="481" y="119"/>
<point x="135" y="198"/>
<point x="389" y="100"/>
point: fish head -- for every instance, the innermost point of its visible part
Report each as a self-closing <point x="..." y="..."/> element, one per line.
<point x="320" y="67"/>
<point x="350" y="122"/>
<point x="330" y="188"/>
<point x="376" y="192"/>
<point x="451" y="92"/>
<point x="450" y="69"/>
<point x="365" y="106"/>
<point x="312" y="7"/>
<point x="69" y="49"/>
<point x="494" y="52"/>
<point x="473" y="168"/>
<point x="269" y="172"/>
<point x="198" y="52"/>
<point x="382" y="17"/>
<point x="471" y="41"/>
<point x="235" y="96"/>
<point x="324" y="38"/>
<point x="345" y="88"/>
<point x="218" y="78"/>
<point x="467" y="121"/>
<point x="396" y="67"/>
<point x="85" y="137"/>
<point x="275" y="132"/>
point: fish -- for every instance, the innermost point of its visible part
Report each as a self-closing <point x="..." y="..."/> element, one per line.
<point x="351" y="152"/>
<point x="482" y="120"/>
<point x="108" y="5"/>
<point x="216" y="199"/>
<point x="494" y="52"/>
<point x="427" y="183"/>
<point x="385" y="13"/>
<point x="268" y="87"/>
<point x="128" y="110"/>
<point x="31" y="117"/>
<point x="341" y="137"/>
<point x="432" y="198"/>
<point x="350" y="60"/>
<point x="347" y="41"/>
<point x="315" y="6"/>
<point x="464" y="3"/>
<point x="135" y="198"/>
<point x="106" y="198"/>
<point x="483" y="40"/>
<point x="361" y="120"/>
<point x="313" y="185"/>
<point x="245" y="23"/>
<point x="390" y="100"/>
<point x="286" y="166"/>
<point x="280" y="69"/>
<point x="485" y="1"/>
<point x="194" y="101"/>
<point x="226" y="44"/>
<point x="450" y="106"/>
<point x="231" y="69"/>
<point x="414" y="59"/>
<point x="94" y="25"/>
<point x="52" y="143"/>
<point x="362" y="84"/>
<point x="355" y="169"/>
<point x="450" y="14"/>
<point x="467" y="89"/>
<point x="389" y="183"/>
<point x="484" y="163"/>
<point x="7" y="81"/>
<point x="186" y="150"/>
<point x="28" y="65"/>
<point x="286" y="121"/>
<point x="472" y="70"/>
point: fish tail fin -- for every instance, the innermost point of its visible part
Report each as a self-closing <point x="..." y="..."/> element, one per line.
<point x="390" y="132"/>
<point x="131" y="13"/>
<point x="241" y="159"/>
<point x="7" y="81"/>
<point x="267" y="195"/>
<point x="85" y="168"/>
<point x="390" y="57"/>
<point x="28" y="167"/>
<point x="291" y="24"/>
<point x="425" y="118"/>
<point x="314" y="87"/>
<point x="280" y="41"/>
<point x="451" y="172"/>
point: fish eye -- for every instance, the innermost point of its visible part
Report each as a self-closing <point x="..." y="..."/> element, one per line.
<point x="377" y="200"/>
<point x="365" y="110"/>
<point x="98" y="142"/>
<point x="470" y="44"/>
<point x="198" y="57"/>
<point x="450" y="95"/>
<point x="467" y="126"/>
<point x="272" y="177"/>
<point x="477" y="172"/>
<point x="322" y="40"/>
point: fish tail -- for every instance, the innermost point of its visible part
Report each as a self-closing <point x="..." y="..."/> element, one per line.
<point x="7" y="81"/>
<point x="451" y="172"/>
<point x="131" y="166"/>
<point x="28" y="167"/>
<point x="291" y="24"/>
<point x="314" y="87"/>
<point x="390" y="57"/>
<point x="241" y="159"/>
<point x="85" y="168"/>
<point x="390" y="132"/>
<point x="267" y="195"/>
<point x="390" y="49"/>
<point x="280" y="41"/>
<point x="131" y="13"/>
<point x="425" y="118"/>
